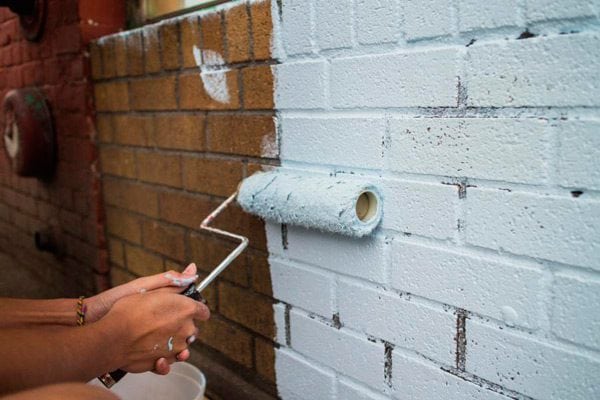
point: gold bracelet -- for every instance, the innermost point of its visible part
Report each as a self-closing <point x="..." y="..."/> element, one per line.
<point x="81" y="309"/>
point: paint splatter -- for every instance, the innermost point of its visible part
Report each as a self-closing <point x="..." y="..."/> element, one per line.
<point x="170" y="344"/>
<point x="142" y="291"/>
<point x="181" y="281"/>
<point x="191" y="339"/>
<point x="212" y="73"/>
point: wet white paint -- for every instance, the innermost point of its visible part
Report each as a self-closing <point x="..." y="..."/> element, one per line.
<point x="170" y="344"/>
<point x="213" y="74"/>
<point x="181" y="282"/>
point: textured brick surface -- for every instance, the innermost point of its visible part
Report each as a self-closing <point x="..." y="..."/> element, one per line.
<point x="509" y="74"/>
<point x="184" y="112"/>
<point x="530" y="366"/>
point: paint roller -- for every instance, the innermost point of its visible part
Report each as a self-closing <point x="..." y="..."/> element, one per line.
<point x="350" y="207"/>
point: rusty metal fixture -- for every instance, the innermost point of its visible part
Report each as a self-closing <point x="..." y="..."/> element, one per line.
<point x="32" y="15"/>
<point x="29" y="139"/>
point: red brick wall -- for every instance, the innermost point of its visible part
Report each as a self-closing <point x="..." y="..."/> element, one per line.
<point x="170" y="154"/>
<point x="70" y="201"/>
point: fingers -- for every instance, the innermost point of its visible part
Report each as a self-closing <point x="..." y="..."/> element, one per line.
<point x="173" y="279"/>
<point x="202" y="312"/>
<point x="184" y="355"/>
<point x="161" y="366"/>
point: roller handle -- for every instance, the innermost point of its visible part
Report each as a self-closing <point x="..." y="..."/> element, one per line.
<point x="111" y="378"/>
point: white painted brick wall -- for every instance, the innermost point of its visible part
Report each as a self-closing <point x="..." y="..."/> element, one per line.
<point x="578" y="154"/>
<point x="427" y="18"/>
<point x="561" y="229"/>
<point x="529" y="366"/>
<point x="377" y="21"/>
<point x="409" y="79"/>
<point x="354" y="142"/>
<point x="388" y="316"/>
<point x="298" y="379"/>
<point x="417" y="380"/>
<point x="482" y="281"/>
<point x="300" y="85"/>
<point x="425" y="209"/>
<point x="476" y="14"/>
<point x="561" y="9"/>
<point x="339" y="349"/>
<point x="303" y="287"/>
<point x="296" y="27"/>
<point x="512" y="150"/>
<point x="333" y="24"/>
<point x="510" y="74"/>
<point x="500" y="289"/>
<point x="578" y="294"/>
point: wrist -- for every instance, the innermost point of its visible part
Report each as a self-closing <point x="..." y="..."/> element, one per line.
<point x="112" y="338"/>
<point x="95" y="309"/>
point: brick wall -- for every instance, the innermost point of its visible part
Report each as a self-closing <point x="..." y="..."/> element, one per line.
<point x="70" y="200"/>
<point x="479" y="121"/>
<point x="184" y="112"/>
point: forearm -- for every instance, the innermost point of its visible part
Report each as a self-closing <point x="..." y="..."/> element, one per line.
<point x="33" y="357"/>
<point x="24" y="313"/>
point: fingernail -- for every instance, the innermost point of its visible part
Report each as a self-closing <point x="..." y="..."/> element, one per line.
<point x="188" y="269"/>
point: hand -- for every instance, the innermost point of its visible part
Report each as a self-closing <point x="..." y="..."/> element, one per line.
<point x="153" y="325"/>
<point x="100" y="304"/>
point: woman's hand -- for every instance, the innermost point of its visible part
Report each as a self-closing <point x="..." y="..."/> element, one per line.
<point x="155" y="325"/>
<point x="100" y="304"/>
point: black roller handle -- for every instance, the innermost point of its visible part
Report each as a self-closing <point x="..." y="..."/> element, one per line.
<point x="111" y="378"/>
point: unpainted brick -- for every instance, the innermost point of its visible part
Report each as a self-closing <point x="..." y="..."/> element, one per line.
<point x="169" y="41"/>
<point x="154" y="94"/>
<point x="141" y="262"/>
<point x="190" y="37"/>
<point x="262" y="29"/>
<point x="265" y="358"/>
<point x="211" y="176"/>
<point x="151" y="50"/>
<point x="111" y="96"/>
<point x="123" y="224"/>
<point x="247" y="308"/>
<point x="131" y="196"/>
<point x="164" y="239"/>
<point x="135" y="54"/>
<point x="119" y="276"/>
<point x="104" y="127"/>
<point x="116" y="252"/>
<point x="208" y="252"/>
<point x="258" y="87"/>
<point x="228" y="339"/>
<point x="120" y="56"/>
<point x="159" y="168"/>
<point x="184" y="209"/>
<point x="183" y="132"/>
<point x="133" y="130"/>
<point x="212" y="33"/>
<point x="241" y="134"/>
<point x="116" y="161"/>
<point x="236" y="28"/>
<point x="108" y="59"/>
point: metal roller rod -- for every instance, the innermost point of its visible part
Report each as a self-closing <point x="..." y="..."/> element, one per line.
<point x="233" y="255"/>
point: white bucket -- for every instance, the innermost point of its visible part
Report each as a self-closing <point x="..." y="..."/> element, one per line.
<point x="184" y="382"/>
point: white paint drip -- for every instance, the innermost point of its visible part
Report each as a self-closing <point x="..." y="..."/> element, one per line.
<point x="170" y="344"/>
<point x="214" y="79"/>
